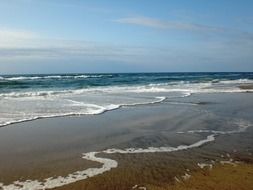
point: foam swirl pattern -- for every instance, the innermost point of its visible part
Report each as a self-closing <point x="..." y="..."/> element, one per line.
<point x="108" y="164"/>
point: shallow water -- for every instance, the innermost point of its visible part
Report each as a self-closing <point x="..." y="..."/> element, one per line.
<point x="29" y="97"/>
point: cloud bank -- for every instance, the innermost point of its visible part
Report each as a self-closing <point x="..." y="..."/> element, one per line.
<point x="18" y="47"/>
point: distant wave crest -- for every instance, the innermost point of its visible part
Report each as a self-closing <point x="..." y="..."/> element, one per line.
<point x="17" y="78"/>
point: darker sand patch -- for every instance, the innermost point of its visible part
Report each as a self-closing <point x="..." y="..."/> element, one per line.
<point x="157" y="169"/>
<point x="42" y="170"/>
<point x="221" y="177"/>
<point x="246" y="86"/>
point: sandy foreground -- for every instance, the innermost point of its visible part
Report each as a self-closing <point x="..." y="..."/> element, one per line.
<point x="41" y="149"/>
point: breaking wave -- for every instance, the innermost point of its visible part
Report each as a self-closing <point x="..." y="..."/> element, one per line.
<point x="17" y="78"/>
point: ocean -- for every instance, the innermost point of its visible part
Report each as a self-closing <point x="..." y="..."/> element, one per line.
<point x="29" y="97"/>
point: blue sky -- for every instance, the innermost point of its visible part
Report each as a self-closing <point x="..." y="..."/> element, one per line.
<point x="58" y="36"/>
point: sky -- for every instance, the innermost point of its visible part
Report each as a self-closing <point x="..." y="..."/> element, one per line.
<point x="82" y="36"/>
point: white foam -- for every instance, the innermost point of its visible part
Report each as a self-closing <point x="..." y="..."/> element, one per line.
<point x="177" y="180"/>
<point x="51" y="182"/>
<point x="242" y="126"/>
<point x="91" y="109"/>
<point x="223" y="90"/>
<point x="139" y="187"/>
<point x="111" y="89"/>
<point x="159" y="149"/>
<point x="108" y="164"/>
<point x="159" y="100"/>
<point x="135" y="186"/>
<point x="230" y="161"/>
<point x="186" y="176"/>
<point x="186" y="94"/>
<point x="238" y="81"/>
<point x="16" y="78"/>
<point x="34" y="94"/>
<point x="203" y="165"/>
<point x="183" y="103"/>
<point x="186" y="89"/>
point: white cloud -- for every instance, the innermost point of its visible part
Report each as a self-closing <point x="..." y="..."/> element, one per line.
<point x="15" y="37"/>
<point x="144" y="21"/>
<point x="21" y="45"/>
<point x="27" y="44"/>
<point x="157" y="23"/>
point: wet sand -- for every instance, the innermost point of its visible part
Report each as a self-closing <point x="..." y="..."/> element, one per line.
<point x="52" y="147"/>
<point x="222" y="176"/>
<point x="246" y="86"/>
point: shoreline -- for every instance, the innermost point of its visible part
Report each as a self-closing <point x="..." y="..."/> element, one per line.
<point x="77" y="114"/>
<point x="115" y="107"/>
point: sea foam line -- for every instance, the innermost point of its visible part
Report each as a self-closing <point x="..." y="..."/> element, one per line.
<point x="100" y="110"/>
<point x="243" y="125"/>
<point x="109" y="164"/>
<point x="150" y="88"/>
